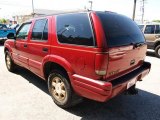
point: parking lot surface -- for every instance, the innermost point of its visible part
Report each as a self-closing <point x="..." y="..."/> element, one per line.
<point x="24" y="96"/>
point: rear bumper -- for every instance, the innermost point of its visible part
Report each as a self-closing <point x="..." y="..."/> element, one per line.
<point x="101" y="90"/>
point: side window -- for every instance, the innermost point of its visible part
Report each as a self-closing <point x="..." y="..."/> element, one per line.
<point x="40" y="30"/>
<point x="157" y="29"/>
<point x="23" y="31"/>
<point x="3" y="27"/>
<point x="150" y="29"/>
<point x="74" y="29"/>
<point x="45" y="32"/>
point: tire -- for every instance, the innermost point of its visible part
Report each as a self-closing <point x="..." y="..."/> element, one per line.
<point x="61" y="91"/>
<point x="157" y="51"/>
<point x="9" y="62"/>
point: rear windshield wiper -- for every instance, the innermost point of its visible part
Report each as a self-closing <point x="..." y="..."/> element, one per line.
<point x="135" y="45"/>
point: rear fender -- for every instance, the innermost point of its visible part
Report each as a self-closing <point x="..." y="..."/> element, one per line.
<point x="60" y="61"/>
<point x="157" y="43"/>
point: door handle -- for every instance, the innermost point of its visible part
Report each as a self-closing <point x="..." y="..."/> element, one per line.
<point x="25" y="45"/>
<point x="157" y="36"/>
<point x="45" y="49"/>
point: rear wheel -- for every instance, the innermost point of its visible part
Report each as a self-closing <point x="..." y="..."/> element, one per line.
<point x="9" y="62"/>
<point x="61" y="90"/>
<point x="157" y="51"/>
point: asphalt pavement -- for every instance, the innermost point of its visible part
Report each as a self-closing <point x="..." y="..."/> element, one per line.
<point x="24" y="96"/>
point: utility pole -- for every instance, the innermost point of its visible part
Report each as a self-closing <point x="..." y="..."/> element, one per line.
<point x="33" y="8"/>
<point x="142" y="9"/>
<point x="91" y="2"/>
<point x="134" y="10"/>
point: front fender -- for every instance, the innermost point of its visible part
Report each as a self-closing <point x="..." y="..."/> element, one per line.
<point x="7" y="46"/>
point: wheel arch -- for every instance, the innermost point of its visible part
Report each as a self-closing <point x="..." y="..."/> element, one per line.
<point x="156" y="44"/>
<point x="56" y="62"/>
<point x="7" y="48"/>
<point x="10" y="34"/>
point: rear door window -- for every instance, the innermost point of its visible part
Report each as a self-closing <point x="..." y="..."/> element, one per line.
<point x="40" y="30"/>
<point x="120" y="30"/>
<point x="75" y="29"/>
<point x="157" y="29"/>
<point x="150" y="29"/>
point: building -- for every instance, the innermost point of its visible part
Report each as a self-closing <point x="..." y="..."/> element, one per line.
<point x="37" y="12"/>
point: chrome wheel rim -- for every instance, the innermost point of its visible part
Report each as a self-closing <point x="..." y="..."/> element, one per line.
<point x="8" y="61"/>
<point x="58" y="89"/>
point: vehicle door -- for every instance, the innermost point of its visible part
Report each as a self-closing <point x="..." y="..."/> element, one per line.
<point x="39" y="44"/>
<point x="149" y="33"/>
<point x="20" y="51"/>
<point x="3" y="31"/>
<point x="157" y="32"/>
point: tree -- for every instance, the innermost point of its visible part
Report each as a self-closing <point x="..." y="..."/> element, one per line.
<point x="3" y="20"/>
<point x="156" y="21"/>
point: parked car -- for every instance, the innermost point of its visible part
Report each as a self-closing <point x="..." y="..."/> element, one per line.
<point x="14" y="26"/>
<point x="152" y="34"/>
<point x="4" y="32"/>
<point x="96" y="55"/>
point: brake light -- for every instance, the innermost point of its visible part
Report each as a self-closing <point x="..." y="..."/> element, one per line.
<point x="101" y="63"/>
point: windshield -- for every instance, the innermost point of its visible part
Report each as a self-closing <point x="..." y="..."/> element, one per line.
<point x="120" y="30"/>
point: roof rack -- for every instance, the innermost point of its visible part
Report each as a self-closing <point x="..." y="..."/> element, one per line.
<point x="63" y="12"/>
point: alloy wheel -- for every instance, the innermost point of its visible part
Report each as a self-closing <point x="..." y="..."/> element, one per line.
<point x="58" y="89"/>
<point x="8" y="61"/>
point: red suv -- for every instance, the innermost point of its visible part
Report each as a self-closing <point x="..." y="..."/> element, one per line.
<point x="96" y="55"/>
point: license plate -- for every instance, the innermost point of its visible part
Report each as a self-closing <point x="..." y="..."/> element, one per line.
<point x="131" y="83"/>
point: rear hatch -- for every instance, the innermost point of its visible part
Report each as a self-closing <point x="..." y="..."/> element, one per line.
<point x="126" y="44"/>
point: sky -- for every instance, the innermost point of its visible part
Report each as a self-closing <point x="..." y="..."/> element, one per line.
<point x="9" y="8"/>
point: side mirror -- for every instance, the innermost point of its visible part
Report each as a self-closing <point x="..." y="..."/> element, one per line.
<point x="11" y="36"/>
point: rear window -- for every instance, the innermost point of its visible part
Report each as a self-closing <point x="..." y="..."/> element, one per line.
<point x="75" y="29"/>
<point x="157" y="29"/>
<point x="120" y="30"/>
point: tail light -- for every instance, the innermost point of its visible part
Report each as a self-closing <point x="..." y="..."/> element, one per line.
<point x="101" y="63"/>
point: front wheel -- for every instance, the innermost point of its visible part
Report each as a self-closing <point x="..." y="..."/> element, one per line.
<point x="61" y="90"/>
<point x="157" y="51"/>
<point x="9" y="62"/>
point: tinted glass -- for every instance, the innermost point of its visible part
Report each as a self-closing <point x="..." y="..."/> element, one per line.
<point x="157" y="29"/>
<point x="120" y="30"/>
<point x="74" y="29"/>
<point x="150" y="29"/>
<point x="45" y="32"/>
<point x="3" y="27"/>
<point x="39" y="28"/>
<point x="23" y="31"/>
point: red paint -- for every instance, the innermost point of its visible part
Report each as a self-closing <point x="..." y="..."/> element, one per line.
<point x="81" y="62"/>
